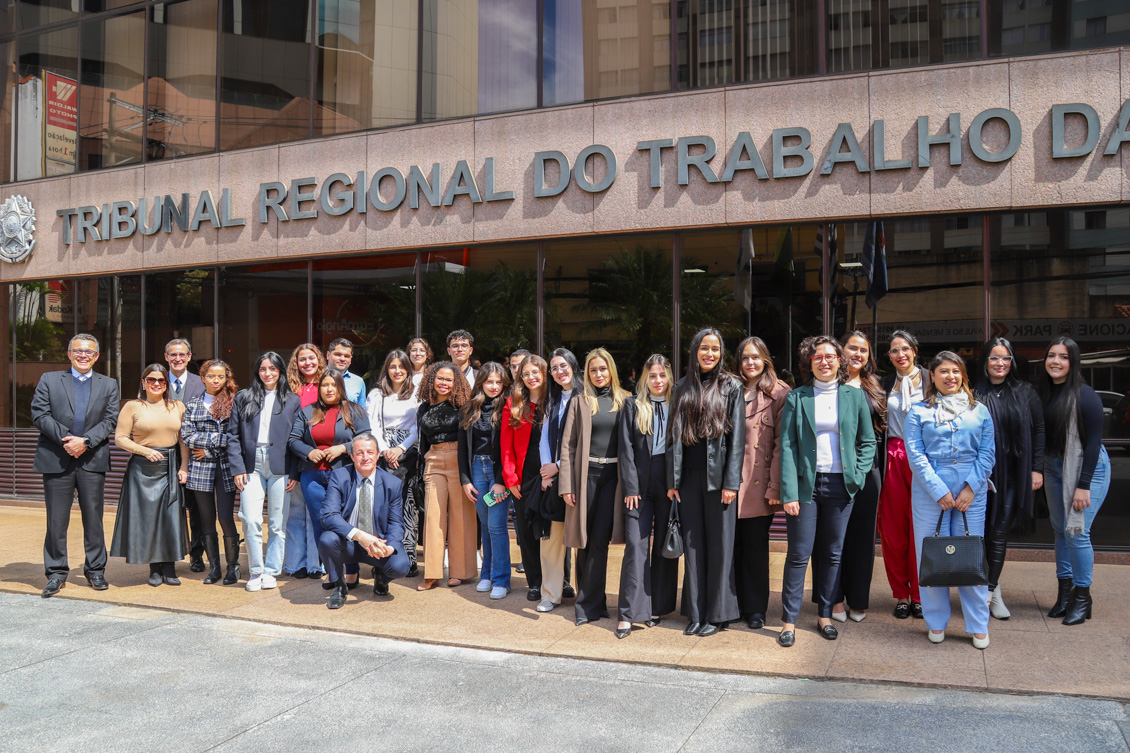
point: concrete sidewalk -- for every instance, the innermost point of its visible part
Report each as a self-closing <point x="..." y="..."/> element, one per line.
<point x="1029" y="653"/>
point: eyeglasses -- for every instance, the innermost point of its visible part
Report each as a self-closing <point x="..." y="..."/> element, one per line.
<point x="178" y="356"/>
<point x="559" y="369"/>
<point x="459" y="346"/>
<point x="155" y="381"/>
<point x="899" y="351"/>
<point x="83" y="352"/>
<point x="825" y="359"/>
<point x="1000" y="359"/>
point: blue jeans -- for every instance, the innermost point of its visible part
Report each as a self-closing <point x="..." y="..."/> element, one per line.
<point x="496" y="537"/>
<point x="1074" y="556"/>
<point x="301" y="548"/>
<point x="263" y="485"/>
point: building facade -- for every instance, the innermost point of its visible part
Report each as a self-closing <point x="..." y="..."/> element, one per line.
<point x="251" y="175"/>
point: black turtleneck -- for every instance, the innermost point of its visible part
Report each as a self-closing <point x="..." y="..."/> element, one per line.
<point x="482" y="429"/>
<point x="602" y="443"/>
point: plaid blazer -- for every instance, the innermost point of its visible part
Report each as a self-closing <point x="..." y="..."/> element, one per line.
<point x="200" y="430"/>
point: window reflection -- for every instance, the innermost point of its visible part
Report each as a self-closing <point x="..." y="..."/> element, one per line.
<point x="262" y="307"/>
<point x="47" y="125"/>
<point x="110" y="107"/>
<point x="1035" y="26"/>
<point x="7" y="110"/>
<point x="42" y="322"/>
<point x="40" y="12"/>
<point x="181" y="304"/>
<point x="182" y="79"/>
<point x="868" y="34"/>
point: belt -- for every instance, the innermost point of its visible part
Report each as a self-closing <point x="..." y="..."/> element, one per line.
<point x="603" y="461"/>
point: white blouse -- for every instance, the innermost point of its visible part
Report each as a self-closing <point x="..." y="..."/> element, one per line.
<point x="388" y="414"/>
<point x="827" y="426"/>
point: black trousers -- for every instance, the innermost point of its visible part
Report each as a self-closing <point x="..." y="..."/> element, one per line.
<point x="649" y="582"/>
<point x="751" y="564"/>
<point x="857" y="562"/>
<point x="528" y="543"/>
<point x="709" y="587"/>
<point x="996" y="537"/>
<point x="592" y="561"/>
<point x="820" y="528"/>
<point x="218" y="504"/>
<point x="59" y="494"/>
<point x="196" y="532"/>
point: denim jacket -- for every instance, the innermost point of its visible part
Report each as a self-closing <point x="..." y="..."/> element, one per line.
<point x="967" y="444"/>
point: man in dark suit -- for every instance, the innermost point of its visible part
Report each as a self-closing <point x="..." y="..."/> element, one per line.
<point x="75" y="411"/>
<point x="362" y="518"/>
<point x="183" y="386"/>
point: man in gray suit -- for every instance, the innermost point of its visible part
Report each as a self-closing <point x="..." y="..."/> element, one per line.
<point x="75" y="411"/>
<point x="183" y="386"/>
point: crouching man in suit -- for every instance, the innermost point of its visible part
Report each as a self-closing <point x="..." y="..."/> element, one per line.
<point x="362" y="521"/>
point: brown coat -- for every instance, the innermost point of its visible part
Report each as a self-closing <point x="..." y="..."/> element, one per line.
<point x="574" y="476"/>
<point x="761" y="465"/>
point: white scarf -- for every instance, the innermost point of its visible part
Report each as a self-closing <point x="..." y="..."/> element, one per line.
<point x="906" y="388"/>
<point x="948" y="407"/>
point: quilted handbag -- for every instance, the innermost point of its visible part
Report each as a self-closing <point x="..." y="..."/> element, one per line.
<point x="953" y="560"/>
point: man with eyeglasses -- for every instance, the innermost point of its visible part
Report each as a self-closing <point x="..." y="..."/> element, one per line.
<point x="460" y="346"/>
<point x="76" y="412"/>
<point x="184" y="386"/>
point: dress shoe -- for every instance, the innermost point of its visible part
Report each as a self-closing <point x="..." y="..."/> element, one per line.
<point x="534" y="594"/>
<point x="623" y="632"/>
<point x="427" y="584"/>
<point x="568" y="592"/>
<point x="329" y="586"/>
<point x="380" y="585"/>
<point x="337" y="598"/>
<point x="581" y="620"/>
<point x="97" y="581"/>
<point x="981" y="643"/>
<point x="829" y="632"/>
<point x="351" y="585"/>
<point x="1060" y="607"/>
<point x="170" y="573"/>
<point x="855" y="616"/>
<point x="300" y="573"/>
<point x="155" y="576"/>
<point x="196" y="563"/>
<point x="654" y="621"/>
<point x="1079" y="608"/>
<point x="787" y="638"/>
<point x="936" y="637"/>
<point x="545" y="605"/>
<point x="520" y="568"/>
<point x="692" y="628"/>
<point x="710" y="628"/>
<point x="453" y="582"/>
<point x="839" y="616"/>
<point x="413" y="572"/>
<point x="996" y="605"/>
<point x="902" y="610"/>
<point x="756" y="621"/>
<point x="916" y="609"/>
<point x="54" y="586"/>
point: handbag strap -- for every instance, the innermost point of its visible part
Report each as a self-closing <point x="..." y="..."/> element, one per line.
<point x="673" y="517"/>
<point x="942" y="516"/>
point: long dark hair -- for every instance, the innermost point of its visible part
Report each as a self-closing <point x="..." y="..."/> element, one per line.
<point x="1069" y="404"/>
<point x="1008" y="411"/>
<point x="768" y="379"/>
<point x="154" y="367"/>
<point x="254" y="395"/>
<point x="384" y="382"/>
<point x="699" y="408"/>
<point x="347" y="409"/>
<point x="556" y="389"/>
<point x="473" y="408"/>
<point x="869" y="379"/>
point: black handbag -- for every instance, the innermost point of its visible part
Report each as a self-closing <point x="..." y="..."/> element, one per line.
<point x="673" y="542"/>
<point x="953" y="560"/>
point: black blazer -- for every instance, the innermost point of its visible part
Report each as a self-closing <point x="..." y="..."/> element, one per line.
<point x="301" y="443"/>
<point x="556" y="430"/>
<point x="53" y="413"/>
<point x="466" y="447"/>
<point x="723" y="455"/>
<point x="241" y="452"/>
<point x="635" y="453"/>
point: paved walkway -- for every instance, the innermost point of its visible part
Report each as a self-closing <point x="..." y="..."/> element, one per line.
<point x="1029" y="653"/>
<point x="80" y="675"/>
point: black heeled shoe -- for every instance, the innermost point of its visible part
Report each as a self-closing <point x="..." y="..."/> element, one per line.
<point x="582" y="621"/>
<point x="300" y="573"/>
<point x="654" y="621"/>
<point x="170" y="572"/>
<point x="1059" y="609"/>
<point x="623" y="632"/>
<point x="155" y="576"/>
<point x="756" y="621"/>
<point x="787" y="638"/>
<point x="1079" y="610"/>
<point x="693" y="628"/>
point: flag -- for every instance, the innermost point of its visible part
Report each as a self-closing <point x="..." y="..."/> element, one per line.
<point x="875" y="263"/>
<point x="742" y="292"/>
<point x="830" y="259"/>
<point x="783" y="260"/>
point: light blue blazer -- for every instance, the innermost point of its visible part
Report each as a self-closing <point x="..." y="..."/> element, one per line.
<point x="947" y="457"/>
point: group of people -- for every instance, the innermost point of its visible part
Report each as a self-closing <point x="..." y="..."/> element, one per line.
<point x="441" y="455"/>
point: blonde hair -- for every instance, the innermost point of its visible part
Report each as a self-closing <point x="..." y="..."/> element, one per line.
<point x="644" y="411"/>
<point x="619" y="394"/>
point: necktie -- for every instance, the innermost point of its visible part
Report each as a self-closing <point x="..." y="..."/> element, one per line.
<point x="657" y="432"/>
<point x="176" y="389"/>
<point x="365" y="507"/>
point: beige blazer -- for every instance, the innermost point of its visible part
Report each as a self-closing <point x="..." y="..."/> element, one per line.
<point x="574" y="476"/>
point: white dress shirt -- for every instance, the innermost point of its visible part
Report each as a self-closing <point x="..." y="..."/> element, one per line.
<point x="352" y="520"/>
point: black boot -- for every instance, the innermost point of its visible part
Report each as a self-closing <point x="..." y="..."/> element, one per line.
<point x="231" y="552"/>
<point x="195" y="545"/>
<point x="1079" y="610"/>
<point x="1060" y="607"/>
<point x="212" y="548"/>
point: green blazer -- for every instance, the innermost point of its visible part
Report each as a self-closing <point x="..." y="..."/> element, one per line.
<point x="798" y="441"/>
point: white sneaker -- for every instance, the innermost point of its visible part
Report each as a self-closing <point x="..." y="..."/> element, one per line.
<point x="545" y="605"/>
<point x="255" y="582"/>
<point x="268" y="581"/>
<point x="498" y="592"/>
<point x="483" y="587"/>
<point x="996" y="605"/>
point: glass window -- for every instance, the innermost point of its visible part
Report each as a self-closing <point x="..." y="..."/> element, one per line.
<point x="748" y="40"/>
<point x="180" y="304"/>
<point x="934" y="283"/>
<point x="43" y="320"/>
<point x="613" y="293"/>
<point x="368" y="300"/>
<point x="262" y="307"/>
<point x="595" y="49"/>
<point x="7" y="111"/>
<point x="266" y="73"/>
<point x="479" y="56"/>
<point x="489" y="291"/>
<point x="777" y="297"/>
<point x="110" y="309"/>
<point x="366" y="74"/>
<point x="47" y="109"/>
<point x="110" y="101"/>
<point x="1065" y="272"/>
<point x="39" y="12"/>
<point x="182" y="79"/>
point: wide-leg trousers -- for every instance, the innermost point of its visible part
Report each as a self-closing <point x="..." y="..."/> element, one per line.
<point x="648" y="581"/>
<point x="592" y="561"/>
<point x="709" y="587"/>
<point x="896" y="529"/>
<point x="449" y="516"/>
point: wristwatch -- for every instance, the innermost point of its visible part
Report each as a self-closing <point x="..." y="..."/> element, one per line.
<point x="86" y="441"/>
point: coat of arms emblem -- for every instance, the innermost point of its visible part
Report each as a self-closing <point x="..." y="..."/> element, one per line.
<point x="17" y="229"/>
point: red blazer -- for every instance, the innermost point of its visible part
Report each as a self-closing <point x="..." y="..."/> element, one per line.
<point x="515" y="443"/>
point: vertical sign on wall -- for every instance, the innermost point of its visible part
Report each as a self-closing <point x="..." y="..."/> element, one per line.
<point x="60" y="134"/>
